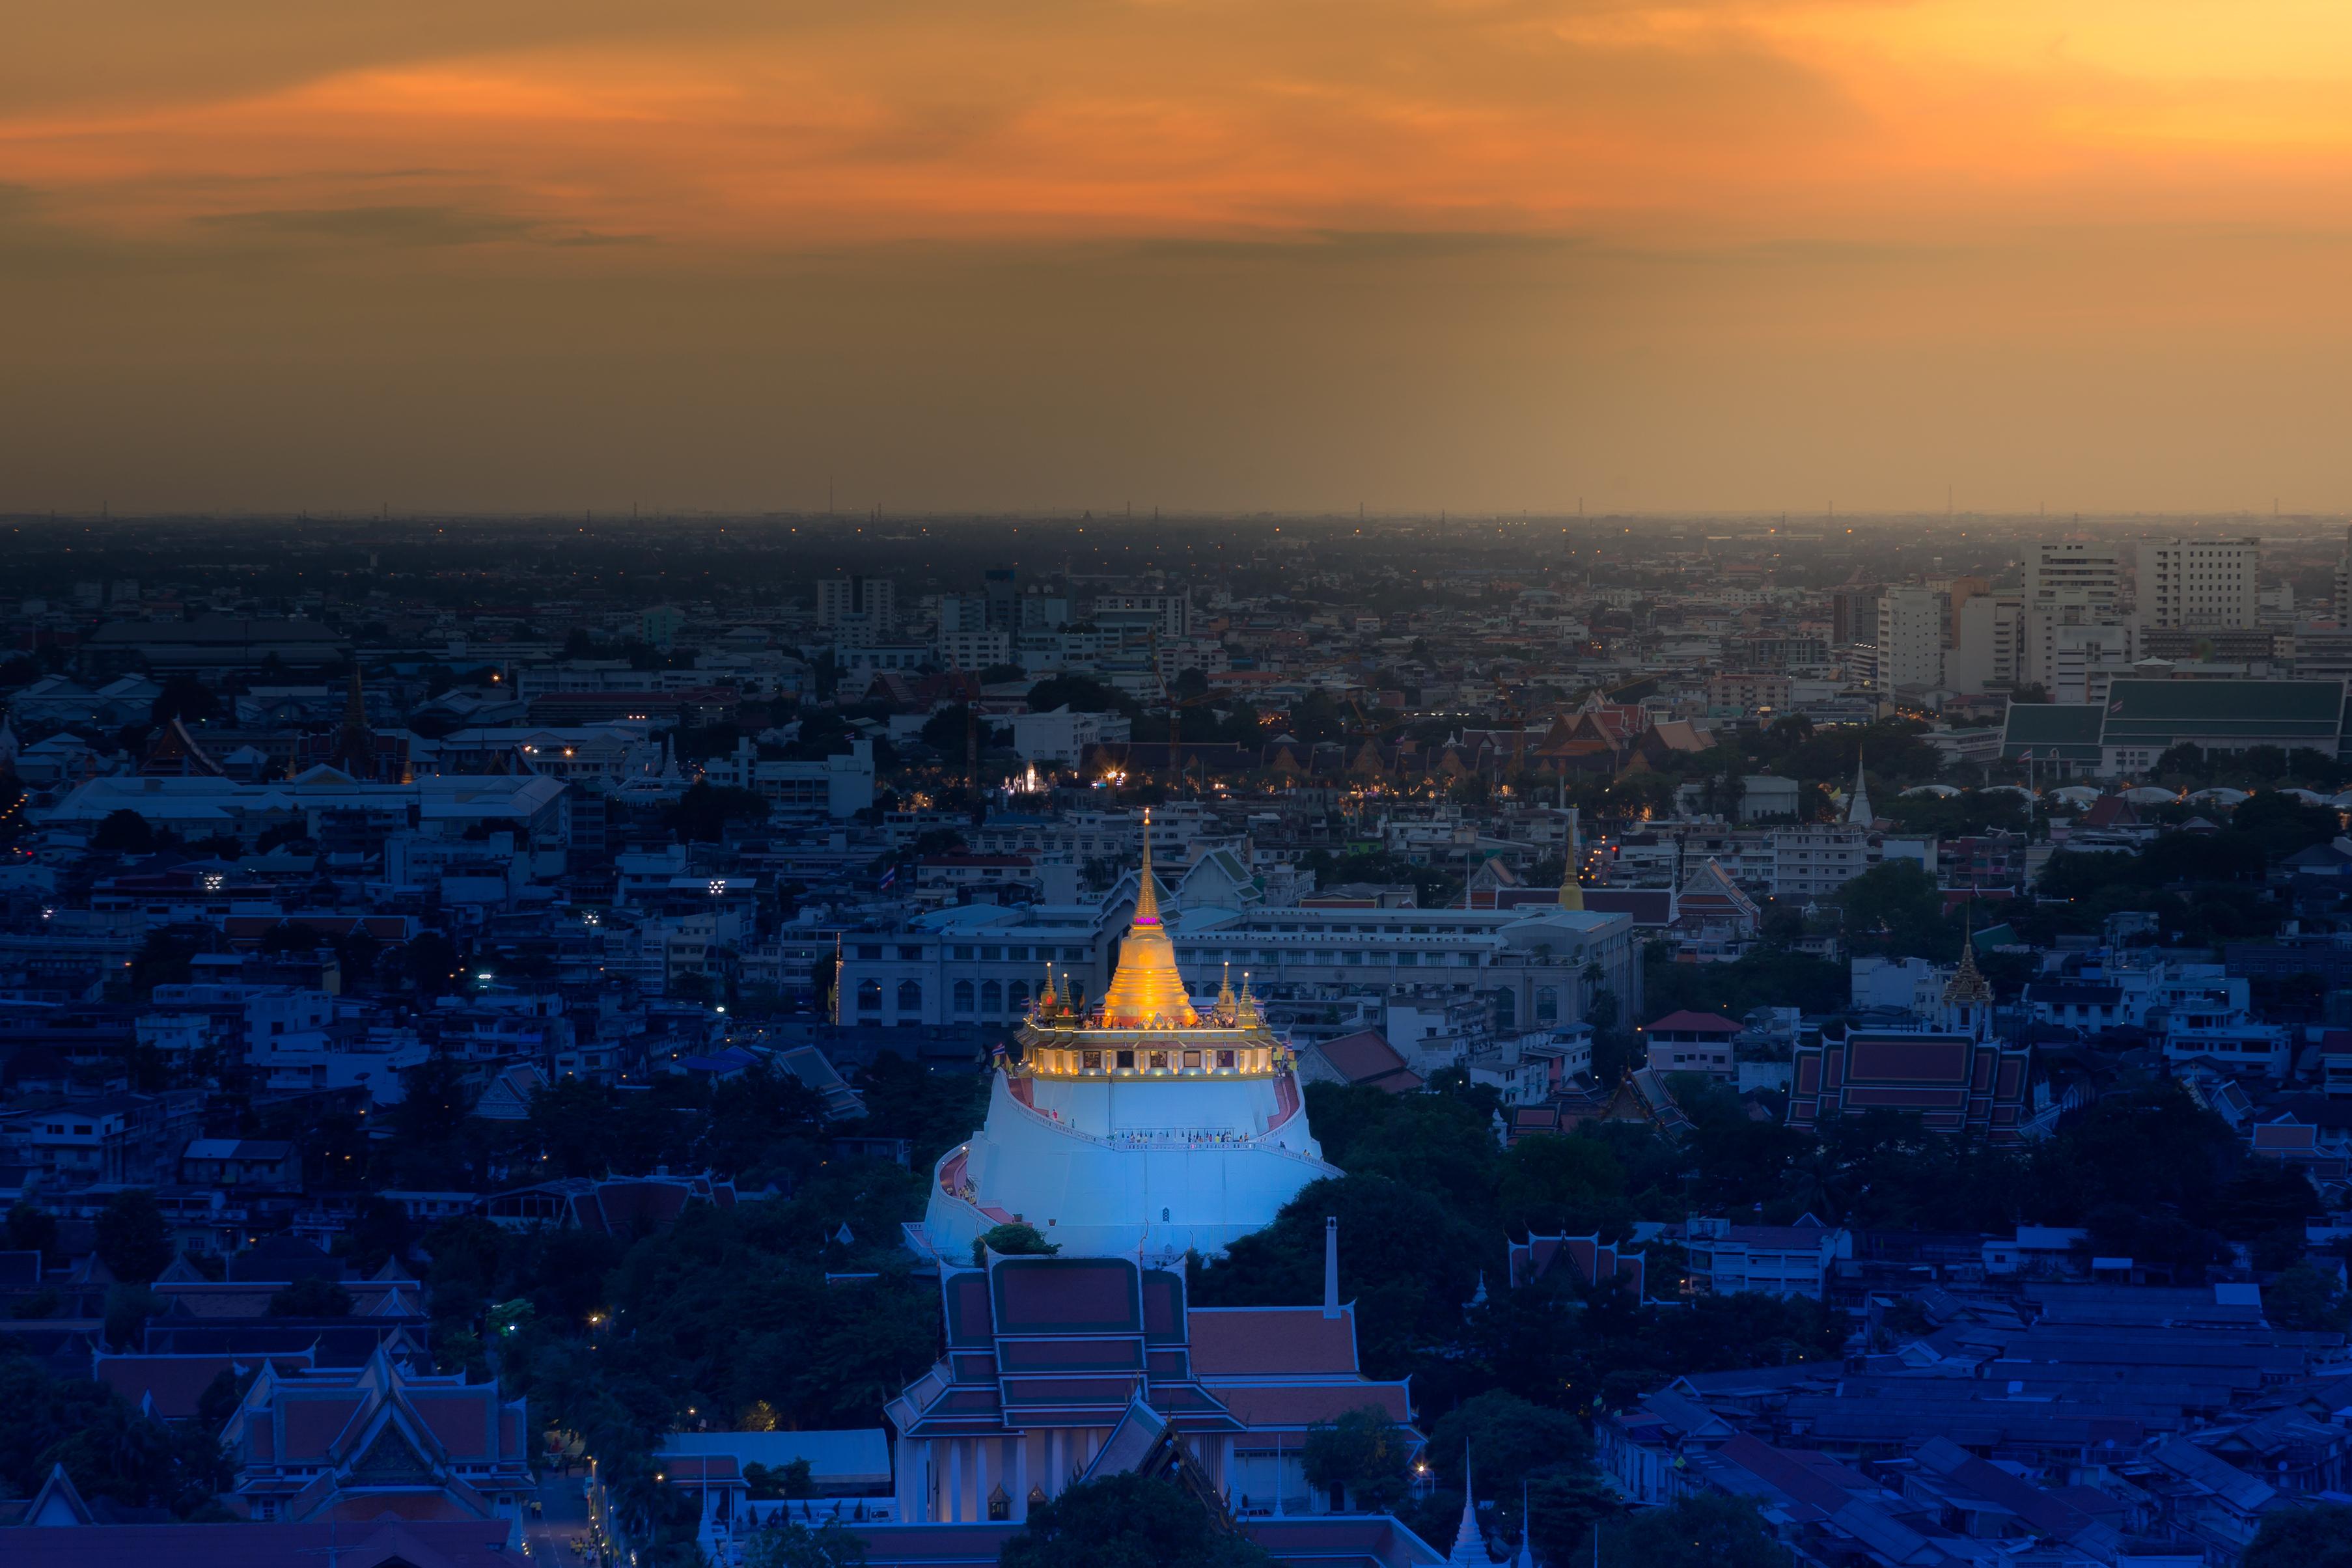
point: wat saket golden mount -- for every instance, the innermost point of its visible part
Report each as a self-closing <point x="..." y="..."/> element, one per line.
<point x="1146" y="1026"/>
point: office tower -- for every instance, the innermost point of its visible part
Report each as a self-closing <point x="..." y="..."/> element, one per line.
<point x="2344" y="584"/>
<point x="1910" y="639"/>
<point x="1002" y="586"/>
<point x="875" y="598"/>
<point x="1169" y="614"/>
<point x="1853" y="616"/>
<point x="2074" y="572"/>
<point x="2201" y="584"/>
<point x="1990" y="635"/>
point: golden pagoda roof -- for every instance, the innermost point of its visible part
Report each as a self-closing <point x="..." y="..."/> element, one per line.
<point x="1967" y="984"/>
<point x="1147" y="991"/>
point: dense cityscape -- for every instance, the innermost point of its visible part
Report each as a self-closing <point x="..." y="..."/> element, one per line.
<point x="783" y="1040"/>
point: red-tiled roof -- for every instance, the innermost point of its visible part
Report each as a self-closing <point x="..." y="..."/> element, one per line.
<point x="1066" y="1295"/>
<point x="312" y="1425"/>
<point x="1272" y="1342"/>
<point x="1690" y="1022"/>
<point x="458" y="1418"/>
<point x="175" y="1382"/>
<point x="415" y="1507"/>
<point x="1303" y="1404"/>
<point x="1367" y="1057"/>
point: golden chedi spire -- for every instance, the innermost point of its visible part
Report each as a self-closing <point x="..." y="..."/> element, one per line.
<point x="1147" y="991"/>
<point x="1967" y="986"/>
<point x="1571" y="891"/>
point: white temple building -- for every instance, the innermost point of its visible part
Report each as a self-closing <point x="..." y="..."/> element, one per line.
<point x="1143" y="1127"/>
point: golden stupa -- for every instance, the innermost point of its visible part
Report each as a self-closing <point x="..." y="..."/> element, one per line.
<point x="1145" y="1024"/>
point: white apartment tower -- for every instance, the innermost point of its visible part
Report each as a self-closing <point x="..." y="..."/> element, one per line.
<point x="2068" y="583"/>
<point x="2206" y="585"/>
<point x="841" y="599"/>
<point x="1989" y="633"/>
<point x="2344" y="584"/>
<point x="2062" y="573"/>
<point x="1910" y="639"/>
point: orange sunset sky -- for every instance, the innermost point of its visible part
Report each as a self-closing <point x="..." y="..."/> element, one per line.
<point x="1287" y="254"/>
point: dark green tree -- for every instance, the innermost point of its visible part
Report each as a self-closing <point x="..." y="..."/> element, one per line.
<point x="133" y="1242"/>
<point x="1126" y="1521"/>
<point x="702" y="813"/>
<point x="1012" y="1239"/>
<point x="1507" y="1438"/>
<point x="2319" y="1536"/>
<point x="433" y="1101"/>
<point x="1406" y="1260"/>
<point x="2305" y="1298"/>
<point x="1706" y="1532"/>
<point x="1894" y="908"/>
<point x="432" y="963"/>
<point x="1562" y="1185"/>
<point x="128" y="1308"/>
<point x="32" y="1228"/>
<point x="123" y="833"/>
<point x="1363" y="1452"/>
<point x="788" y="1545"/>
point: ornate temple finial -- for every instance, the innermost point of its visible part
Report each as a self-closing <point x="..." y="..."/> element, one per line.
<point x="1967" y="986"/>
<point x="1047" y="1000"/>
<point x="1147" y="892"/>
<point x="1225" y="993"/>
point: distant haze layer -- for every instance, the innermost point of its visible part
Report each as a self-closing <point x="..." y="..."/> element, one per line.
<point x="1776" y="253"/>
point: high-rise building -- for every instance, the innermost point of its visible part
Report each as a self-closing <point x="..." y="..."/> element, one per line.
<point x="1001" y="587"/>
<point x="876" y="599"/>
<point x="2344" y="584"/>
<point x="1910" y="639"/>
<point x="1853" y="615"/>
<point x="2068" y="583"/>
<point x="2201" y="584"/>
<point x="1991" y="633"/>
<point x="963" y="612"/>
<point x="2073" y="572"/>
<point x="1169" y="614"/>
<point x="2086" y="660"/>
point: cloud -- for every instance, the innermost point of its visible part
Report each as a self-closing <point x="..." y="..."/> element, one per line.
<point x="381" y="226"/>
<point x="734" y="127"/>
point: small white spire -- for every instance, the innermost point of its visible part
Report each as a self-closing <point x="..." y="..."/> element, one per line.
<point x="1857" y="806"/>
<point x="1469" y="1545"/>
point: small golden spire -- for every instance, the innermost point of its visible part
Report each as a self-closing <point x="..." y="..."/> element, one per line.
<point x="1967" y="986"/>
<point x="1147" y="892"/>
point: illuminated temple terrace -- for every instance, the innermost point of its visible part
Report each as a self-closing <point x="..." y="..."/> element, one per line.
<point x="1143" y="1127"/>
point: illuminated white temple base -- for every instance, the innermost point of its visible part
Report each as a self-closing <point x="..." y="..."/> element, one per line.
<point x="1142" y="1127"/>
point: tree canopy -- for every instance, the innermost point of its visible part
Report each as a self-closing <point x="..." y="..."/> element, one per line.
<point x="1126" y="1521"/>
<point x="2318" y="1536"/>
